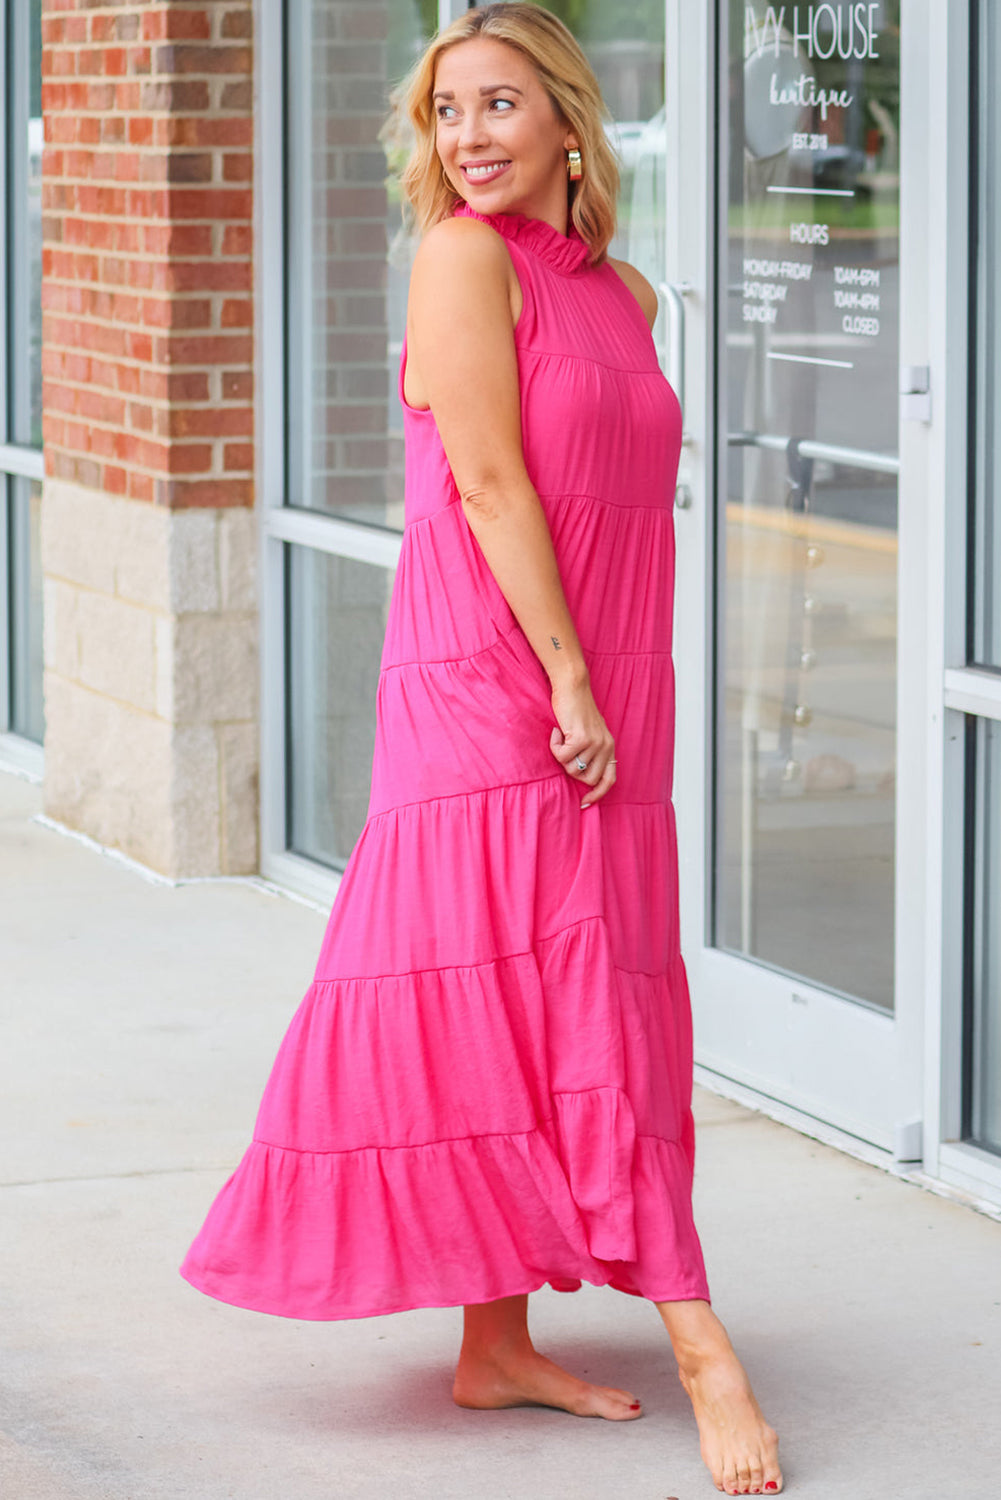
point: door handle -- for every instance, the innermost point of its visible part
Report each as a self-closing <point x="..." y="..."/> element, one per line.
<point x="674" y="293"/>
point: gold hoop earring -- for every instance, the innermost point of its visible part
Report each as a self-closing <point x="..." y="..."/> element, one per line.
<point x="575" y="168"/>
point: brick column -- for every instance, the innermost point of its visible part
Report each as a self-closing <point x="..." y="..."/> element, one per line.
<point x="148" y="535"/>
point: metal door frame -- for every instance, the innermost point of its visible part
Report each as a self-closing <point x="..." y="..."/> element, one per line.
<point x="931" y="568"/>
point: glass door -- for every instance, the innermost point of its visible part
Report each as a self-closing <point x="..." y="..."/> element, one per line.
<point x="788" y="755"/>
<point x="808" y="301"/>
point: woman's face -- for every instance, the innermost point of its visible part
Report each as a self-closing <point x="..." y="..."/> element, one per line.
<point x="498" y="136"/>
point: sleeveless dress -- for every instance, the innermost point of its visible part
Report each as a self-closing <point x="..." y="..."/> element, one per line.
<point x="487" y="1087"/>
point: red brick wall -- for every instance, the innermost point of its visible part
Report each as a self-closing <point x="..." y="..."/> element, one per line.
<point x="147" y="248"/>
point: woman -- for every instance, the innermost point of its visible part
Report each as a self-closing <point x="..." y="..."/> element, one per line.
<point x="487" y="1086"/>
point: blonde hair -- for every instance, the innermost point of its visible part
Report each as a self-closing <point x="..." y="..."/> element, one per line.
<point x="568" y="79"/>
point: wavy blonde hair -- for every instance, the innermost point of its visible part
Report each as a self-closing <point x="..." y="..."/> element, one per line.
<point x="568" y="79"/>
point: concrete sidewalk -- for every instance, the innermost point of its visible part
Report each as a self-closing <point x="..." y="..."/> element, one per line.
<point x="139" y="1025"/>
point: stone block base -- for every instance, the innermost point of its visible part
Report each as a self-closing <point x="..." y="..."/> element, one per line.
<point x="151" y="669"/>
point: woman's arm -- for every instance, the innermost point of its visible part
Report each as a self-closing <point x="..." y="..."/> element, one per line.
<point x="461" y="339"/>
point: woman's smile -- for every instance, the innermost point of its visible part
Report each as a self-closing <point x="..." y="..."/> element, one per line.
<point x="483" y="171"/>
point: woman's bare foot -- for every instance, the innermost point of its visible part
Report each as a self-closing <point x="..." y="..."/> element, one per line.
<point x="499" y="1366"/>
<point x="528" y="1378"/>
<point x="739" y="1448"/>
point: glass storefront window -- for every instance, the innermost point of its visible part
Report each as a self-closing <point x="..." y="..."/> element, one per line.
<point x="624" y="44"/>
<point x="348" y="258"/>
<point x="807" y="418"/>
<point x="983" y="916"/>
<point x="347" y="265"/>
<point x="337" y="610"/>
<point x="24" y="503"/>
<point x="25" y="231"/>
<point x="348" y="255"/>
<point x="22" y="362"/>
<point x="984" y="1093"/>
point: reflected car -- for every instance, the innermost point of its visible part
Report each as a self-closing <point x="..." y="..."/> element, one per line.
<point x="841" y="166"/>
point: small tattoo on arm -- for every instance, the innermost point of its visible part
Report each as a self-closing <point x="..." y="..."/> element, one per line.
<point x="556" y="642"/>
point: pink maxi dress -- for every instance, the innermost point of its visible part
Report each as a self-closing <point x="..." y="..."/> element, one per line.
<point x="487" y="1086"/>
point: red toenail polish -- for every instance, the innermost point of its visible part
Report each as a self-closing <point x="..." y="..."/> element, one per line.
<point x="771" y="1485"/>
<point x="635" y="1406"/>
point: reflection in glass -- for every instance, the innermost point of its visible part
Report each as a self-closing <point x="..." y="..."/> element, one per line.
<point x="348" y="260"/>
<point x="24" y="298"/>
<point x="986" y="947"/>
<point x="348" y="266"/>
<point x="985" y="391"/>
<point x="24" y="511"/>
<point x="624" y="44"/>
<point x="349" y="256"/>
<point x="806" y="623"/>
<point x="335" y="628"/>
<point x="23" y="416"/>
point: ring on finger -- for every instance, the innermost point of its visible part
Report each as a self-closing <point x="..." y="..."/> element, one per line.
<point x="580" y="764"/>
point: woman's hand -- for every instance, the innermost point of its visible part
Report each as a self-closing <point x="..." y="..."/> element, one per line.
<point x="584" y="736"/>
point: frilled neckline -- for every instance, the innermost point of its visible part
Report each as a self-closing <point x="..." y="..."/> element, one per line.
<point x="567" y="254"/>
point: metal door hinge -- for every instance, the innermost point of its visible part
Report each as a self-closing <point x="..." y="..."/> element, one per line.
<point x="915" y="393"/>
